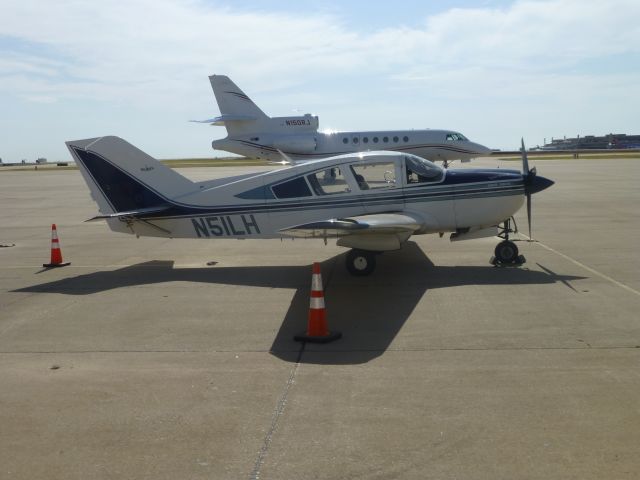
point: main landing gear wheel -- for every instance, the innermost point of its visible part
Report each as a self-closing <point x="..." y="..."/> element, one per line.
<point x="361" y="262"/>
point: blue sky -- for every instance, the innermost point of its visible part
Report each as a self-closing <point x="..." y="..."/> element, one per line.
<point x="494" y="70"/>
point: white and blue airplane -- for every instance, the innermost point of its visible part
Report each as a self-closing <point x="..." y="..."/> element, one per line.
<point x="250" y="132"/>
<point x="375" y="202"/>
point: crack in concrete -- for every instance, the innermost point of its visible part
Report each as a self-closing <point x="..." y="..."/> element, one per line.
<point x="280" y="406"/>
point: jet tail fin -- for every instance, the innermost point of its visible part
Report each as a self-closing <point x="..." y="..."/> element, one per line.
<point x="239" y="113"/>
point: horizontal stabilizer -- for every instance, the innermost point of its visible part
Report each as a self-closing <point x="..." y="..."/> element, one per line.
<point x="223" y="119"/>
<point x="142" y="212"/>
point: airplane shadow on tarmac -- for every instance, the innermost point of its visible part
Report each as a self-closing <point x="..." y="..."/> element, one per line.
<point x="369" y="311"/>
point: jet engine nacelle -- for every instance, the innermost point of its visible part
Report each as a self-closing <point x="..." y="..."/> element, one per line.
<point x="296" y="143"/>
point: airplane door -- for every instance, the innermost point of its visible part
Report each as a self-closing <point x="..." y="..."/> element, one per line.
<point x="380" y="185"/>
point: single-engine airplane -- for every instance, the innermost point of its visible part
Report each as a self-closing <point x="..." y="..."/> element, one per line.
<point x="373" y="204"/>
<point x="253" y="134"/>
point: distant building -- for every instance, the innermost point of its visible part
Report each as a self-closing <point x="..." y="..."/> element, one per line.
<point x="614" y="141"/>
<point x="41" y="160"/>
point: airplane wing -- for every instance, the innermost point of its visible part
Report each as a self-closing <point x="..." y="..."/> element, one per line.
<point x="377" y="223"/>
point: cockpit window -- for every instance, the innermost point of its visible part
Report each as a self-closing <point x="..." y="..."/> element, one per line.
<point x="420" y="170"/>
<point x="375" y="175"/>
<point x="456" y="137"/>
<point x="328" y="182"/>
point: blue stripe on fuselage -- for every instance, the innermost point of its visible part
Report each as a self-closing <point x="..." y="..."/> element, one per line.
<point x="477" y="175"/>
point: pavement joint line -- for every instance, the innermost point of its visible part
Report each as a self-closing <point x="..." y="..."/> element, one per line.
<point x="72" y="266"/>
<point x="582" y="265"/>
<point x="298" y="361"/>
<point x="282" y="403"/>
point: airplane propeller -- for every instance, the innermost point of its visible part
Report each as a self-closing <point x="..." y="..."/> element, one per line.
<point x="532" y="183"/>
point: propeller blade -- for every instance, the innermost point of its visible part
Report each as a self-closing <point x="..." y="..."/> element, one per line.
<point x="525" y="160"/>
<point x="529" y="214"/>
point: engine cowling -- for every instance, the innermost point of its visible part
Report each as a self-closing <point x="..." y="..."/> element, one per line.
<point x="296" y="143"/>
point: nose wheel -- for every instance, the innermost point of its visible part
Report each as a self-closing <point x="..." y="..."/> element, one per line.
<point x="506" y="253"/>
<point x="361" y="263"/>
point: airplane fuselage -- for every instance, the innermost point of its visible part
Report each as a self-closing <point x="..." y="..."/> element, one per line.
<point x="260" y="205"/>
<point x="435" y="145"/>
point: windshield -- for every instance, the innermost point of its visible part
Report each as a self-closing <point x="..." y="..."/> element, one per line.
<point x="420" y="170"/>
<point x="456" y="137"/>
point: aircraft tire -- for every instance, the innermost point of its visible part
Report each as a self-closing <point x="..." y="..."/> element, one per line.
<point x="361" y="263"/>
<point x="506" y="252"/>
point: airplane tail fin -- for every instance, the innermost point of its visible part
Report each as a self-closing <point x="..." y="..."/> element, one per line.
<point x="239" y="113"/>
<point x="124" y="181"/>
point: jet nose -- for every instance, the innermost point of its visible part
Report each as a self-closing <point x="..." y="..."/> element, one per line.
<point x="537" y="184"/>
<point x="480" y="150"/>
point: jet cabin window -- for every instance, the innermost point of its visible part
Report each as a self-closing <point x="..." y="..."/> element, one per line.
<point x="292" y="189"/>
<point x="420" y="170"/>
<point x="328" y="182"/>
<point x="373" y="176"/>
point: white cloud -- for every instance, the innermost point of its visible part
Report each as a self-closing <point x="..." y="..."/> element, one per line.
<point x="157" y="54"/>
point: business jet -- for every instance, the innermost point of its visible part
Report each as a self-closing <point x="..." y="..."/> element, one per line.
<point x="374" y="203"/>
<point x="253" y="134"/>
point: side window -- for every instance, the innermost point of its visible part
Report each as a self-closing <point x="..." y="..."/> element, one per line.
<point x="375" y="139"/>
<point x="374" y="176"/>
<point x="385" y="139"/>
<point x="345" y="140"/>
<point x="449" y="137"/>
<point x="292" y="189"/>
<point x="328" y="182"/>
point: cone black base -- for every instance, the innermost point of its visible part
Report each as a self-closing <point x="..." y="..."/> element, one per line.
<point x="303" y="337"/>
<point x="52" y="265"/>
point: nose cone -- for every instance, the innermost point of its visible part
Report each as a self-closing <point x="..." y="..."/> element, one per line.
<point x="537" y="184"/>
<point x="479" y="150"/>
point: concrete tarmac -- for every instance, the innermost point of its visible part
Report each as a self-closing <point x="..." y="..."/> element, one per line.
<point x="141" y="361"/>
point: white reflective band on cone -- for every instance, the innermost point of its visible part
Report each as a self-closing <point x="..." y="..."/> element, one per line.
<point x="316" y="282"/>
<point x="316" y="302"/>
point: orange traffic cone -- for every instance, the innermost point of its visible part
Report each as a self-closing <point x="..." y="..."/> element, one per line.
<point x="56" y="253"/>
<point x="317" y="329"/>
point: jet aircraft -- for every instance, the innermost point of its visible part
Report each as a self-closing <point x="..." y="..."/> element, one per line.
<point x="374" y="203"/>
<point x="253" y="134"/>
